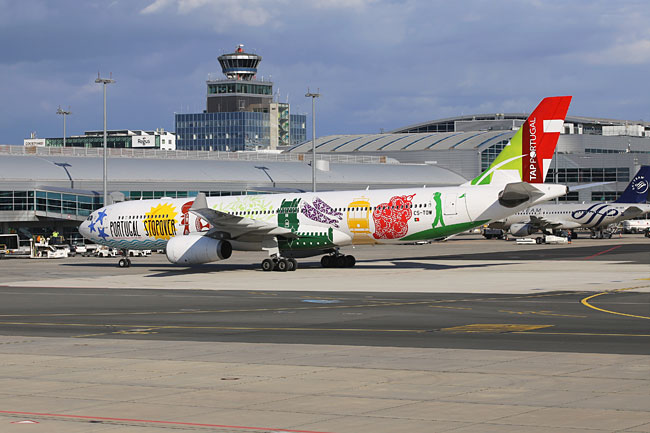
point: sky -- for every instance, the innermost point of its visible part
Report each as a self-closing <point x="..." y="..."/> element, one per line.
<point x="378" y="64"/>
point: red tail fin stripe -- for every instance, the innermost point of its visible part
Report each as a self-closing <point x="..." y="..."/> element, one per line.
<point x="540" y="134"/>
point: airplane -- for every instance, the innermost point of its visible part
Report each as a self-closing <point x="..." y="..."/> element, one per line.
<point x="595" y="216"/>
<point x="289" y="226"/>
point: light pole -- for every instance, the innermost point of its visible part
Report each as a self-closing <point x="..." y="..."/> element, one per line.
<point x="64" y="113"/>
<point x="313" y="97"/>
<point x="105" y="81"/>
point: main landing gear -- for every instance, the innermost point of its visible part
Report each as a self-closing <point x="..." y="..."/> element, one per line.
<point x="125" y="262"/>
<point x="338" y="261"/>
<point x="279" y="264"/>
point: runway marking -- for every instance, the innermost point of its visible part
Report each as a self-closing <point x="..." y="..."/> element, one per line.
<point x="595" y="334"/>
<point x="602" y="252"/>
<point x="474" y="328"/>
<point x="323" y="307"/>
<point x="221" y="328"/>
<point x="586" y="303"/>
<point x="494" y="328"/>
<point x="450" y="308"/>
<point x="541" y="313"/>
<point x="151" y="421"/>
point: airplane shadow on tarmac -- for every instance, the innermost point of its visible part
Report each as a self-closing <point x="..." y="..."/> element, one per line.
<point x="168" y="269"/>
<point x="630" y="253"/>
<point x="360" y="265"/>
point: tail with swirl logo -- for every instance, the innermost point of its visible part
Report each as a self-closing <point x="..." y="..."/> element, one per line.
<point x="637" y="189"/>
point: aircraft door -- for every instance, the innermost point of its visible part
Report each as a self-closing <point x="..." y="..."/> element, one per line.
<point x="449" y="207"/>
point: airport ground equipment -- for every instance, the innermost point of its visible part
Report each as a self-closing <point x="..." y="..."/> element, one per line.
<point x="635" y="226"/>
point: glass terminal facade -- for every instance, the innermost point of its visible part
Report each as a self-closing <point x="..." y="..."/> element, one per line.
<point x="243" y="130"/>
<point x="222" y="131"/>
<point x="77" y="204"/>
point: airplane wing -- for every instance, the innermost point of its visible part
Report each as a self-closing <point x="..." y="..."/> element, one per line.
<point x="632" y="212"/>
<point x="543" y="223"/>
<point x="227" y="226"/>
<point x="547" y="223"/>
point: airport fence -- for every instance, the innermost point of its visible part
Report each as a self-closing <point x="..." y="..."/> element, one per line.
<point x="191" y="154"/>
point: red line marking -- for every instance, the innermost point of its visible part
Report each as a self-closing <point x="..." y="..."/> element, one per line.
<point x="602" y="252"/>
<point x="194" y="424"/>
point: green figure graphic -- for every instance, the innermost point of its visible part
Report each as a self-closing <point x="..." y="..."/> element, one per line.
<point x="438" y="218"/>
<point x="288" y="214"/>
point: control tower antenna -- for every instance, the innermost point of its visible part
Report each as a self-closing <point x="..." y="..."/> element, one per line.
<point x="239" y="65"/>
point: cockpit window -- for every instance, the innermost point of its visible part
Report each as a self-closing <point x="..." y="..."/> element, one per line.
<point x="90" y="218"/>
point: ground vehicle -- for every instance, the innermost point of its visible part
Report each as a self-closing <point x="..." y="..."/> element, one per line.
<point x="12" y="246"/>
<point x="635" y="226"/>
<point x="104" y="251"/>
<point x="551" y="239"/>
<point x="489" y="233"/>
<point x="80" y="249"/>
<point x="139" y="253"/>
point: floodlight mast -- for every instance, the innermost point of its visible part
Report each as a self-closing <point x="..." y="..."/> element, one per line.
<point x="64" y="113"/>
<point x="313" y="97"/>
<point x="105" y="81"/>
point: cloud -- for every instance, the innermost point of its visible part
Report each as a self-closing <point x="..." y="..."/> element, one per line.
<point x="627" y="53"/>
<point x="380" y="64"/>
<point x="222" y="13"/>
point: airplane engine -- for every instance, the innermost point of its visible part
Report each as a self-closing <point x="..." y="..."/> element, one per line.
<point x="522" y="229"/>
<point x="194" y="250"/>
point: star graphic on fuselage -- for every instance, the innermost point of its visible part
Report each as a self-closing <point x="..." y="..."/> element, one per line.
<point x="91" y="227"/>
<point x="102" y="234"/>
<point x="100" y="216"/>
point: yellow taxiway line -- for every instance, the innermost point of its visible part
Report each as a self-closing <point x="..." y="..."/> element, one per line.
<point x="586" y="303"/>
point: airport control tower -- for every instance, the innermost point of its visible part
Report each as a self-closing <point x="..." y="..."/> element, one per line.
<point x="240" y="91"/>
<point x="240" y="113"/>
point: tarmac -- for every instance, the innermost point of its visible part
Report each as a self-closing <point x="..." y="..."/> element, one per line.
<point x="338" y="369"/>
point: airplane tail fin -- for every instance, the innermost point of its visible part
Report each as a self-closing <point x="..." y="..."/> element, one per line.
<point x="637" y="189"/>
<point x="527" y="157"/>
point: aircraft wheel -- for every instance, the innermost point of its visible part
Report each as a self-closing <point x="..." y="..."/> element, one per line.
<point x="350" y="261"/>
<point x="538" y="240"/>
<point x="123" y="263"/>
<point x="293" y="264"/>
<point x="267" y="265"/>
<point x="283" y="265"/>
<point x="340" y="261"/>
<point x="609" y="235"/>
<point x="326" y="261"/>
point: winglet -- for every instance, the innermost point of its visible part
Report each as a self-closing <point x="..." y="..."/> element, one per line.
<point x="200" y="202"/>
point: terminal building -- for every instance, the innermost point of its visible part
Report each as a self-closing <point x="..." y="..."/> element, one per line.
<point x="240" y="113"/>
<point x="158" y="139"/>
<point x="589" y="150"/>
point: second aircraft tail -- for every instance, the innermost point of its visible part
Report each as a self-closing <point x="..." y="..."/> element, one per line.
<point x="637" y="189"/>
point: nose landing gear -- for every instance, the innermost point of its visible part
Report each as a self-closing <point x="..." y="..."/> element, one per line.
<point x="125" y="262"/>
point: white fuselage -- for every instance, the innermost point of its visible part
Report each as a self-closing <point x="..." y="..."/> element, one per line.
<point x="569" y="216"/>
<point x="343" y="217"/>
